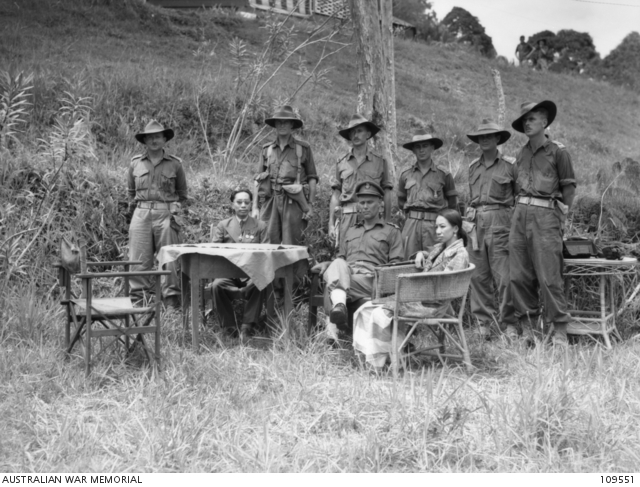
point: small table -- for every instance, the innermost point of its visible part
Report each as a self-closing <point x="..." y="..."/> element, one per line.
<point x="261" y="263"/>
<point x="600" y="322"/>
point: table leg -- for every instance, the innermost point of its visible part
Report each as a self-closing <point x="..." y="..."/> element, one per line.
<point x="184" y="291"/>
<point x="195" y="302"/>
<point x="288" y="300"/>
<point x="603" y="310"/>
<point x="614" y="308"/>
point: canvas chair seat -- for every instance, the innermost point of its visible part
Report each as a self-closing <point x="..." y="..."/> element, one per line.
<point x="416" y="311"/>
<point x="110" y="307"/>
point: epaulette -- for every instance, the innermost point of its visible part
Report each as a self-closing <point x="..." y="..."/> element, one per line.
<point x="410" y="168"/>
<point x="359" y="224"/>
<point x="375" y="154"/>
<point x="474" y="161"/>
<point x="443" y="169"/>
<point x="559" y="144"/>
<point x="343" y="158"/>
<point x="136" y="157"/>
<point x="171" y="156"/>
<point x="393" y="225"/>
<point x="509" y="159"/>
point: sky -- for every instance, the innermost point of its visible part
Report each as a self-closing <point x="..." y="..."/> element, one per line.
<point x="608" y="21"/>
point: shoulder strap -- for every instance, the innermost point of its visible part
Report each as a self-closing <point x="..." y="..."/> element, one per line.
<point x="269" y="153"/>
<point x="299" y="156"/>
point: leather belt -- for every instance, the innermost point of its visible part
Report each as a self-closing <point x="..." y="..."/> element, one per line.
<point x="492" y="207"/>
<point x="422" y="215"/>
<point x="532" y="201"/>
<point x="349" y="208"/>
<point x="154" y="205"/>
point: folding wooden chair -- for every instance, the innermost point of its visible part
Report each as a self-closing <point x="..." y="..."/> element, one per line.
<point x="399" y="285"/>
<point x="117" y="316"/>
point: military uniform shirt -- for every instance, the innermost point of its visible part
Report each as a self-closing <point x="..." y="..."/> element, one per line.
<point x="349" y="174"/>
<point x="493" y="183"/>
<point x="283" y="166"/>
<point x="232" y="230"/>
<point x="543" y="174"/>
<point x="164" y="181"/>
<point x="381" y="244"/>
<point x="428" y="191"/>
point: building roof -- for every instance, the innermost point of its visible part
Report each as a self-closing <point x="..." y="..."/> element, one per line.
<point x="199" y="3"/>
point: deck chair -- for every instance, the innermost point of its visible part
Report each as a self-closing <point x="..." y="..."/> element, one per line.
<point x="398" y="285"/>
<point x="97" y="317"/>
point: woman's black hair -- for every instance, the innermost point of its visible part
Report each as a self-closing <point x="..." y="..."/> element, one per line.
<point x="241" y="190"/>
<point x="455" y="220"/>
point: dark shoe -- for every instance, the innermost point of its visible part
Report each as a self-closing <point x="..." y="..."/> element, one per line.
<point x="172" y="302"/>
<point x="511" y="332"/>
<point x="484" y="333"/>
<point x="338" y="315"/>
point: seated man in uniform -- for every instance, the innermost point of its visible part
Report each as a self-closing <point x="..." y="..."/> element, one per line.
<point x="368" y="244"/>
<point x="239" y="229"/>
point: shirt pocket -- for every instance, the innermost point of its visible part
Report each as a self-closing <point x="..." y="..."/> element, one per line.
<point x="168" y="181"/>
<point x="546" y="182"/>
<point x="436" y="192"/>
<point x="500" y="188"/>
<point x="373" y="172"/>
<point x="141" y="176"/>
<point x="347" y="178"/>
<point x="382" y="246"/>
<point x="289" y="168"/>
<point x="545" y="175"/>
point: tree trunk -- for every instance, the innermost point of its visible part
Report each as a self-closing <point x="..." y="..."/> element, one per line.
<point x="500" y="95"/>
<point x="373" y="29"/>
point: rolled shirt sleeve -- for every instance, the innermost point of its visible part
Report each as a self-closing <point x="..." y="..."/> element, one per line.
<point x="564" y="165"/>
<point x="449" y="186"/>
<point x="402" y="191"/>
<point x="181" y="184"/>
<point x="396" y="247"/>
<point x="310" y="165"/>
<point x="336" y="182"/>
<point x="131" y="183"/>
<point x="386" y="182"/>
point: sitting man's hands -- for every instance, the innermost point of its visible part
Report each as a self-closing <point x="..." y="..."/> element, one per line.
<point x="320" y="267"/>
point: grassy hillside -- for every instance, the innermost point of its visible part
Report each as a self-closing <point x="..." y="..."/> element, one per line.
<point x="297" y="406"/>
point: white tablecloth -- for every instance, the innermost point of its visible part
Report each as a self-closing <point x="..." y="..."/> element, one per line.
<point x="259" y="261"/>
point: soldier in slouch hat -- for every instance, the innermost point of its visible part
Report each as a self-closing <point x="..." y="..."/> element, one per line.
<point x="546" y="188"/>
<point x="492" y="185"/>
<point x="286" y="181"/>
<point x="423" y="190"/>
<point x="157" y="184"/>
<point x="359" y="165"/>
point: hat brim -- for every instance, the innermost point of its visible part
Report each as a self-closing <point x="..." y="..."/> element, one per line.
<point x="504" y="136"/>
<point x="297" y="123"/>
<point x="168" y="134"/>
<point x="548" y="105"/>
<point x="370" y="193"/>
<point x="372" y="127"/>
<point x="437" y="143"/>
